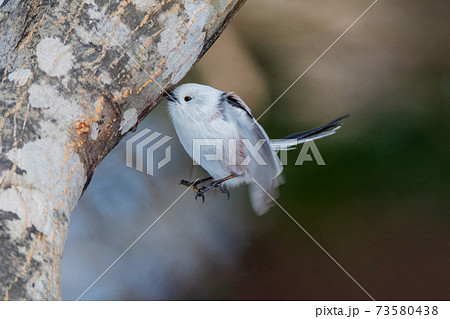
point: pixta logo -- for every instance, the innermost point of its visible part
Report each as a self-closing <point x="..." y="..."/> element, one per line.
<point x="242" y="152"/>
<point x="147" y="147"/>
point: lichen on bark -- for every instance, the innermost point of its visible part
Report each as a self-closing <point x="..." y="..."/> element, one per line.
<point x="75" y="78"/>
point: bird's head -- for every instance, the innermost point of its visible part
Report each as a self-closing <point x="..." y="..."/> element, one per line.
<point x="194" y="102"/>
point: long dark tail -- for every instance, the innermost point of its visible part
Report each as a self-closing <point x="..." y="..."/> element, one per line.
<point x="292" y="140"/>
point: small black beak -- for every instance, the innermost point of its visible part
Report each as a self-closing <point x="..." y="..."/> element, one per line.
<point x="171" y="97"/>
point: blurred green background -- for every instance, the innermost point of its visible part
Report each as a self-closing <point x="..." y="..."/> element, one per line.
<point x="380" y="206"/>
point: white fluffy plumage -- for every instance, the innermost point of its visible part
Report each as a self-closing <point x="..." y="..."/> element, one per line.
<point x="202" y="112"/>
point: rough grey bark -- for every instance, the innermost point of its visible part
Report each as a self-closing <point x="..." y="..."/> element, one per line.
<point x="75" y="77"/>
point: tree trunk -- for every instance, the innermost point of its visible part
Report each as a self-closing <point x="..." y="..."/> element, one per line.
<point x="75" y="78"/>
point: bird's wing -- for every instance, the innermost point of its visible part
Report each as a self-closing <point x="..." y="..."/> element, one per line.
<point x="265" y="176"/>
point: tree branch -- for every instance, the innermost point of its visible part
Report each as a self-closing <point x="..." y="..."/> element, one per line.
<point x="75" y="78"/>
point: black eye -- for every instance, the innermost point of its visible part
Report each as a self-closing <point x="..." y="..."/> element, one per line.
<point x="187" y="98"/>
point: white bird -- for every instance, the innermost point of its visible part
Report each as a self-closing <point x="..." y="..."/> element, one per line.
<point x="204" y="116"/>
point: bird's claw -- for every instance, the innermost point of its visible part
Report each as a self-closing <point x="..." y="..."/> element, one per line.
<point x="214" y="185"/>
<point x="201" y="195"/>
<point x="202" y="190"/>
<point x="224" y="190"/>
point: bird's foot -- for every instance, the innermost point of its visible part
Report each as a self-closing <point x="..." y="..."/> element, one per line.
<point x="224" y="190"/>
<point x="214" y="185"/>
<point x="194" y="185"/>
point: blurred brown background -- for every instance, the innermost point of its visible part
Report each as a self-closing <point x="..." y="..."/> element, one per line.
<point x="380" y="207"/>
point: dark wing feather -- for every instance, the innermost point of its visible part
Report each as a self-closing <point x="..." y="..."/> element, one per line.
<point x="234" y="100"/>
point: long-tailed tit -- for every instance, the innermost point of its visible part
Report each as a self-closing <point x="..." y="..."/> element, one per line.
<point x="218" y="131"/>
